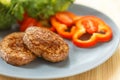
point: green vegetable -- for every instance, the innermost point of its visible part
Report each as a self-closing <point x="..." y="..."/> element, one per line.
<point x="46" y="8"/>
<point x="6" y="19"/>
<point x="11" y="10"/>
<point x="5" y="2"/>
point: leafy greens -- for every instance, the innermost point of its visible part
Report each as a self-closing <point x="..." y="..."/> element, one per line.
<point x="11" y="10"/>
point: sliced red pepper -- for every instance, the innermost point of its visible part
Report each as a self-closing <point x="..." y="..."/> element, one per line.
<point x="84" y="43"/>
<point x="25" y="16"/>
<point x="38" y="24"/>
<point x="89" y="23"/>
<point x="52" y="29"/>
<point x="62" y="29"/>
<point x="65" y="17"/>
<point x="28" y="22"/>
<point x="102" y="34"/>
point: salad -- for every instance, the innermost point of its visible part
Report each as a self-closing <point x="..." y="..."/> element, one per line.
<point x="12" y="11"/>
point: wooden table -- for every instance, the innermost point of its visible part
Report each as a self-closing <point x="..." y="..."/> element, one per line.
<point x="110" y="70"/>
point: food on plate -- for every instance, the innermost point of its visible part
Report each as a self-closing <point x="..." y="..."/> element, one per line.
<point x="65" y="17"/>
<point x="20" y="48"/>
<point x="14" y="51"/>
<point x="84" y="31"/>
<point x="74" y="27"/>
<point x="62" y="29"/>
<point x="39" y="21"/>
<point x="28" y="21"/>
<point x="52" y="15"/>
<point x="12" y="11"/>
<point x="98" y="30"/>
<point x="63" y="22"/>
<point x="46" y="44"/>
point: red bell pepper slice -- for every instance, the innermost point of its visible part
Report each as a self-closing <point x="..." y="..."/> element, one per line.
<point x="65" y="17"/>
<point x="27" y="23"/>
<point x="25" y="16"/>
<point x="62" y="28"/>
<point x="90" y="23"/>
<point x="100" y="32"/>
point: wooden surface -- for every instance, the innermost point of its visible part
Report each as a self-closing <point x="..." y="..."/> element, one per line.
<point x="110" y="70"/>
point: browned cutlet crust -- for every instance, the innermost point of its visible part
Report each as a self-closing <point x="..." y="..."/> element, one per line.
<point x="14" y="51"/>
<point x="45" y="43"/>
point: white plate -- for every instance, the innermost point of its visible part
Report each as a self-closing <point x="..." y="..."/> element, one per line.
<point x="80" y="59"/>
